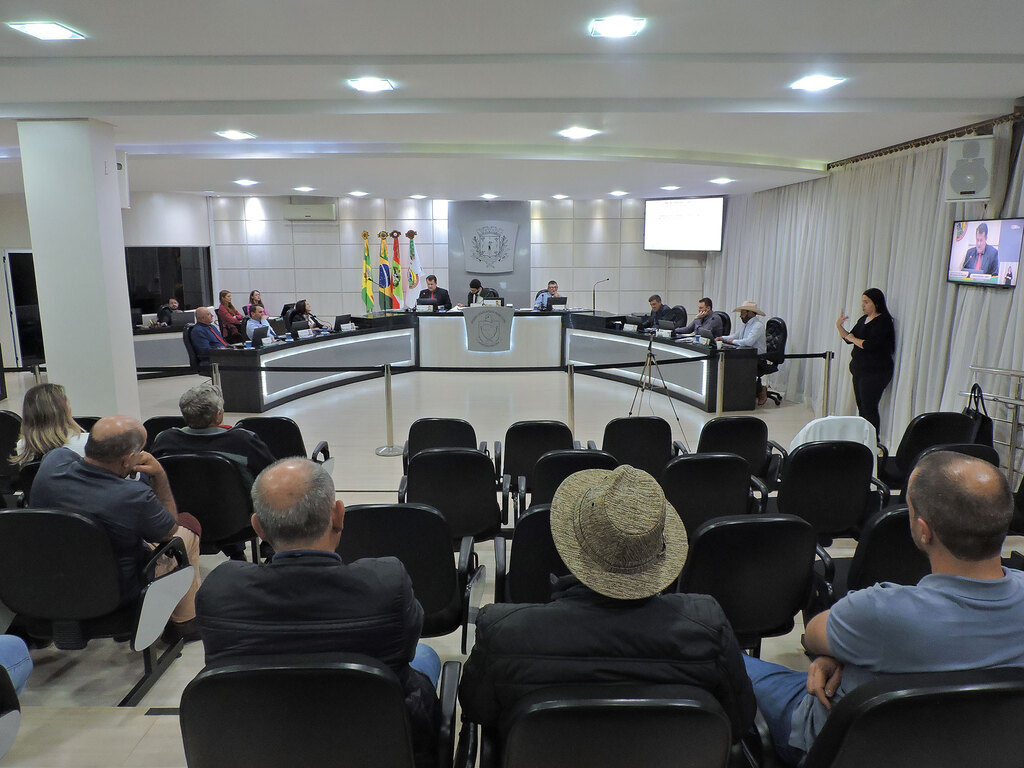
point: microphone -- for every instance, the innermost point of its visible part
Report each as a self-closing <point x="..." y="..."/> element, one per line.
<point x="317" y="319"/>
<point x="593" y="298"/>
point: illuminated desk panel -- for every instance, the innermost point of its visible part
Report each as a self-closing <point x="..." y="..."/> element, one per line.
<point x="536" y="344"/>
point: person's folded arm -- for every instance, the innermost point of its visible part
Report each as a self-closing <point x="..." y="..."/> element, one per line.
<point x="816" y="637"/>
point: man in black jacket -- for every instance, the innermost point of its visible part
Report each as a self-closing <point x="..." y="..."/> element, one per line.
<point x="444" y="301"/>
<point x="607" y="623"/>
<point x="308" y="601"/>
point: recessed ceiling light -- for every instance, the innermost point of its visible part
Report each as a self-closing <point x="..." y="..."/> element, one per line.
<point x="304" y="189"/>
<point x="234" y="135"/>
<point x="418" y="197"/>
<point x="618" y="193"/>
<point x="617" y="26"/>
<point x="46" y="30"/>
<point x="358" y="193"/>
<point x="559" y="197"/>
<point x="209" y="192"/>
<point x="722" y="180"/>
<point x="371" y="84"/>
<point x="578" y="132"/>
<point x="670" y="188"/>
<point x="816" y="83"/>
<point x="488" y="196"/>
<point x="245" y="182"/>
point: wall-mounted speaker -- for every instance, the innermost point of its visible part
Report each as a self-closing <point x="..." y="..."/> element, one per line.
<point x="969" y="168"/>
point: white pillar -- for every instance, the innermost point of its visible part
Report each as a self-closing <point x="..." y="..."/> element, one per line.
<point x="74" y="214"/>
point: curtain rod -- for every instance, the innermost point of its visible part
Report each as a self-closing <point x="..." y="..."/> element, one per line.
<point x="1013" y="117"/>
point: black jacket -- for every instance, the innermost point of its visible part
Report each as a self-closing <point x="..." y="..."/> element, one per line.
<point x="311" y="602"/>
<point x="485" y="293"/>
<point x="584" y="637"/>
<point x="879" y="344"/>
<point x="241" y="446"/>
<point x="443" y="299"/>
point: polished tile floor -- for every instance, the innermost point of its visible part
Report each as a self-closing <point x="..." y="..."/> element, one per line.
<point x="69" y="712"/>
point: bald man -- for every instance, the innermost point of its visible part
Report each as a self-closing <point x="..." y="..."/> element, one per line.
<point x="967" y="614"/>
<point x="205" y="337"/>
<point x="126" y="490"/>
<point x="306" y="600"/>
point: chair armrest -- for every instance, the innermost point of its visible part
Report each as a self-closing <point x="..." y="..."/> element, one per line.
<point x="884" y="451"/>
<point x="506" y="490"/>
<point x="591" y="445"/>
<point x="678" y="449"/>
<point x="483" y="448"/>
<point x="828" y="564"/>
<point x="465" y="754"/>
<point x="577" y="445"/>
<point x="500" y="568"/>
<point x="174" y="548"/>
<point x="473" y="598"/>
<point x="447" y="698"/>
<point x="403" y="489"/>
<point x="782" y="451"/>
<point x="521" y="488"/>
<point x="884" y="495"/>
<point x="322" y="451"/>
<point x="497" y="461"/>
<point x="467" y="558"/>
<point x="762" y="490"/>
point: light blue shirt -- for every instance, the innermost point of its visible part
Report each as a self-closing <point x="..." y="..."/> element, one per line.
<point x="252" y="325"/>
<point x="542" y="300"/>
<point x="752" y="335"/>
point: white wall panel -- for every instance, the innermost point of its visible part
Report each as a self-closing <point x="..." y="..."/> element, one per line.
<point x="633" y="255"/>
<point x="318" y="280"/>
<point x="551" y="209"/>
<point x="440" y="228"/>
<point x="596" y="209"/>
<point x="632" y="209"/>
<point x="408" y="210"/>
<point x="268" y="232"/>
<point x="544" y="256"/>
<point x="234" y="280"/>
<point x="596" y="231"/>
<point x="271" y="257"/>
<point x="231" y="256"/>
<point x="315" y="233"/>
<point x="369" y="209"/>
<point x="229" y="232"/>
<point x="274" y="280"/>
<point x="551" y="231"/>
<point x="595" y="255"/>
<point x="316" y="256"/>
<point x="632" y="231"/>
<point x="228" y="208"/>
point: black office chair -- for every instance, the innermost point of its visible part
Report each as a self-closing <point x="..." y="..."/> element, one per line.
<point x="193" y="359"/>
<point x="532" y="561"/>
<point x="775" y="335"/>
<point x="975" y="450"/>
<point x="553" y="467"/>
<point x="10" y="713"/>
<point x="610" y="726"/>
<point x="924" y="431"/>
<point x="678" y="315"/>
<point x="1017" y="523"/>
<point x="643" y="442"/>
<point x="318" y="712"/>
<point x="439" y="433"/>
<point x="514" y="460"/>
<point x="211" y="488"/>
<point x="154" y="425"/>
<point x="286" y="311"/>
<point x="284" y="438"/>
<point x="26" y="480"/>
<point x="760" y="569"/>
<point x="703" y="486"/>
<point x="746" y="436"/>
<point x="934" y="719"/>
<point x="422" y="540"/>
<point x="10" y="431"/>
<point x="726" y="322"/>
<point x="86" y="422"/>
<point x="59" y="568"/>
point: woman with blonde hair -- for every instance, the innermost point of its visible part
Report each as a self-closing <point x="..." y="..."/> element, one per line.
<point x="46" y="424"/>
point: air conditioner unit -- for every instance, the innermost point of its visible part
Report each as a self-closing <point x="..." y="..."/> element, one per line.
<point x="319" y="212"/>
<point x="969" y="168"/>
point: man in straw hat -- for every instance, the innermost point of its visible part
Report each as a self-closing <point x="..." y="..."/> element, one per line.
<point x="607" y="623"/>
<point x="752" y="336"/>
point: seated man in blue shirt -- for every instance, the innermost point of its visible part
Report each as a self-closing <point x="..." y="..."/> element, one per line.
<point x="541" y="302"/>
<point x="205" y="337"/>
<point x="706" y="320"/>
<point x="258" y="319"/>
<point x="752" y="336"/>
<point x="967" y="614"/>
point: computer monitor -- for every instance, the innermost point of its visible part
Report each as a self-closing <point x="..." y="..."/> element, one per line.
<point x="426" y="305"/>
<point x="666" y="325"/>
<point x="498" y="302"/>
<point x="557" y="303"/>
<point x="278" y="325"/>
<point x="136" y="317"/>
<point x="181" y="319"/>
<point x="299" y="325"/>
<point x="259" y="335"/>
<point x="706" y="334"/>
<point x="340" y="320"/>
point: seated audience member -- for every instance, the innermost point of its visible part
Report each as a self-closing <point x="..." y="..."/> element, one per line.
<point x="15" y="658"/>
<point x="202" y="407"/>
<point x="46" y="424"/>
<point x="752" y="335"/>
<point x="477" y="293"/>
<point x="541" y="302"/>
<point x="659" y="311"/>
<point x="444" y="301"/>
<point x="230" y="319"/>
<point x="133" y="511"/>
<point x="303" y="313"/>
<point x="164" y="314"/>
<point x="258" y="319"/>
<point x="205" y="337"/>
<point x="254" y="301"/>
<point x="705" y="320"/>
<point x="308" y="601"/>
<point x="967" y="614"/>
<point x="607" y="622"/>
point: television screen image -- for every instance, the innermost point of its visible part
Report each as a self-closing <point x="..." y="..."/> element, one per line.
<point x="684" y="224"/>
<point x="986" y="253"/>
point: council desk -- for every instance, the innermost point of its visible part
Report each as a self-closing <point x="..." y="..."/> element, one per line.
<point x="257" y="380"/>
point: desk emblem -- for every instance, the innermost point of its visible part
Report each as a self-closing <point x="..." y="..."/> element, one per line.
<point x="489" y="329"/>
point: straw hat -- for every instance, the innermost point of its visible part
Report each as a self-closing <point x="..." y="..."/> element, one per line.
<point x="750" y="306"/>
<point x="616" y="533"/>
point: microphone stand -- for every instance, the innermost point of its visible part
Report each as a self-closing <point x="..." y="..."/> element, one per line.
<point x="593" y="298"/>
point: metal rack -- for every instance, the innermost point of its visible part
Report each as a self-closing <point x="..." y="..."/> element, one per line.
<point x="1014" y="403"/>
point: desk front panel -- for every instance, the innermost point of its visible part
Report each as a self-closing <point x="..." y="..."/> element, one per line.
<point x="536" y="344"/>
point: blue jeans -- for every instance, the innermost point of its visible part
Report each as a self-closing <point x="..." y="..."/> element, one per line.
<point x="428" y="662"/>
<point x="14" y="657"/>
<point x="778" y="690"/>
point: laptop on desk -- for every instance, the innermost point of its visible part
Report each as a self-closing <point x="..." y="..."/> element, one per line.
<point x="181" y="319"/>
<point x="278" y="325"/>
<point x="557" y="303"/>
<point x="259" y="337"/>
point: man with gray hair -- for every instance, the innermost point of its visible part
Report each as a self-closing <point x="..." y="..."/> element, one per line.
<point x="306" y="600"/>
<point x="205" y="337"/>
<point x="202" y="407"/>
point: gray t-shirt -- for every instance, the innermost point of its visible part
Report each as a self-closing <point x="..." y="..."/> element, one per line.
<point x="943" y="624"/>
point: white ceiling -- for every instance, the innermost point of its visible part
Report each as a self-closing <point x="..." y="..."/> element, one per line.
<point x="483" y="86"/>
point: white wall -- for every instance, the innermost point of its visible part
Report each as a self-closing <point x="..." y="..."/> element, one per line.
<point x="157" y="219"/>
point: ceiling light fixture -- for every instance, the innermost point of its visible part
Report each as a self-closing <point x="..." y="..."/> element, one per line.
<point x="234" y="135"/>
<point x="670" y="188"/>
<point x="304" y="189"/>
<point x="488" y="196"/>
<point x="814" y="83"/>
<point x="417" y="197"/>
<point x="559" y="197"/>
<point x="618" y="193"/>
<point x="46" y="30"/>
<point x="616" y="26"/>
<point x="245" y="182"/>
<point x="577" y="132"/>
<point x="371" y="84"/>
<point x="358" y="193"/>
<point x="722" y="180"/>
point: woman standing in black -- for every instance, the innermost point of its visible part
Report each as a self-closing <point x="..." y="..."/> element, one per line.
<point x="874" y="341"/>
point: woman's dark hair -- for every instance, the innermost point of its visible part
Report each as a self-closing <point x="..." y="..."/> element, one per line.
<point x="253" y="293"/>
<point x="878" y="299"/>
<point x="300" y="308"/>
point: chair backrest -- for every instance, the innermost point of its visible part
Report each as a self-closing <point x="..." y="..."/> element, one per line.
<point x="27" y="478"/>
<point x="527" y="441"/>
<point x="746" y="436"/>
<point x="281" y="434"/>
<point x="86" y="422"/>
<point x="294" y="710"/>
<point x="154" y="425"/>
<point x="440" y="433"/>
<point x="418" y="536"/>
<point x="938" y="719"/>
<point x="828" y="484"/>
<point x="211" y="488"/>
<point x="286" y="309"/>
<point x="533" y="559"/>
<point x="644" y="442"/>
<point x="703" y="486"/>
<point x="554" y="466"/>
<point x="886" y="552"/>
<point x="678" y="315"/>
<point x="976" y="450"/>
<point x="186" y="338"/>
<point x="606" y="726"/>
<point x="458" y="483"/>
<point x="928" y="429"/>
<point x="10" y="431"/>
<point x="57" y="565"/>
<point x="775" y="335"/>
<point x="853" y="428"/>
<point x="726" y="322"/>
<point x="758" y="567"/>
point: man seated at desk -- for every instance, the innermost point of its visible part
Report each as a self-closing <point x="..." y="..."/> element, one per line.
<point x="752" y="336"/>
<point x="258" y="319"/>
<point x="477" y="293"/>
<point x="444" y="301"/>
<point x="706" y="320"/>
<point x="659" y="311"/>
<point x="544" y="297"/>
<point x="166" y="312"/>
<point x="205" y="337"/>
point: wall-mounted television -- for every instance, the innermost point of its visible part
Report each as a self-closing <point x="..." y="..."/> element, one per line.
<point x="985" y="253"/>
<point x="684" y="224"/>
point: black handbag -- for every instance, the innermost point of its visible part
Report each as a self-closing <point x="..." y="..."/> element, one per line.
<point x="979" y="415"/>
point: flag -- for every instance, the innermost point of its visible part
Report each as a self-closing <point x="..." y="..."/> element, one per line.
<point x="396" y="274"/>
<point x="385" y="293"/>
<point x="368" y="287"/>
<point x="413" y="270"/>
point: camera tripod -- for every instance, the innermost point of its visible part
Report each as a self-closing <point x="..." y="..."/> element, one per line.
<point x="646" y="383"/>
